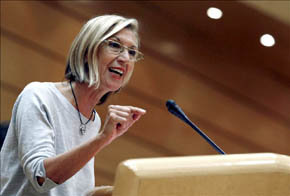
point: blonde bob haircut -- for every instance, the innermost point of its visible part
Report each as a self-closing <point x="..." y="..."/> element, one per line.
<point x="82" y="62"/>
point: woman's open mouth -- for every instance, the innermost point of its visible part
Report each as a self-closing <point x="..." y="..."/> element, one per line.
<point x="116" y="70"/>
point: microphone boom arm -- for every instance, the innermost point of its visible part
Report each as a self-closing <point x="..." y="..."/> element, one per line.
<point x="202" y="134"/>
<point x="177" y="111"/>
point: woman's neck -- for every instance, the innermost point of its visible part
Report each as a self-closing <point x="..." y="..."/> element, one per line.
<point x="86" y="97"/>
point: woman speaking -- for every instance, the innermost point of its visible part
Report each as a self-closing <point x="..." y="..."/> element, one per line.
<point x="55" y="132"/>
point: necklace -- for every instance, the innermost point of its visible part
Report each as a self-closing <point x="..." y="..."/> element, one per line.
<point x="83" y="125"/>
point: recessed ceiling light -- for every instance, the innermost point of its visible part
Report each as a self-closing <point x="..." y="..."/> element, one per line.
<point x="214" y="13"/>
<point x="267" y="40"/>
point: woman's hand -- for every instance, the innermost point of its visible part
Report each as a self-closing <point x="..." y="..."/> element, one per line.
<point x="119" y="119"/>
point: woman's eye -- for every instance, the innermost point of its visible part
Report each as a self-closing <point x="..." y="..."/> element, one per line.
<point x="114" y="45"/>
<point x="132" y="52"/>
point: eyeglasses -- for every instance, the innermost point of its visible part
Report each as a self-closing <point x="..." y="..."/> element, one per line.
<point x="117" y="48"/>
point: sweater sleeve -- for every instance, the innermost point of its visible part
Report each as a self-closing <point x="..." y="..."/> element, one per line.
<point x="35" y="135"/>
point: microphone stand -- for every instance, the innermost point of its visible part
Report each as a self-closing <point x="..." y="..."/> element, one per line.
<point x="202" y="134"/>
<point x="177" y="111"/>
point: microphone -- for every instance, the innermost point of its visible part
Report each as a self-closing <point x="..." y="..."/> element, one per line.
<point x="177" y="111"/>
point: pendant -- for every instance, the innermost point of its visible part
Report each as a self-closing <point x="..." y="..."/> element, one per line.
<point x="83" y="129"/>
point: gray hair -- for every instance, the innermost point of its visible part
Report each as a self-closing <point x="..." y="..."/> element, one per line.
<point x="82" y="62"/>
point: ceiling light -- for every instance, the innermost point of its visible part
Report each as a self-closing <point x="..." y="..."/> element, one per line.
<point x="214" y="13"/>
<point x="267" y="40"/>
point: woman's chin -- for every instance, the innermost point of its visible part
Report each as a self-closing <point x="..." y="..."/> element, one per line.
<point x="114" y="87"/>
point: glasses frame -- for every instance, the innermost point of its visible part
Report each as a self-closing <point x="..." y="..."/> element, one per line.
<point x="139" y="55"/>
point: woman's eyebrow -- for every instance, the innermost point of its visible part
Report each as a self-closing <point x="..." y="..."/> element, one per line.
<point x="116" y="38"/>
<point x="119" y="40"/>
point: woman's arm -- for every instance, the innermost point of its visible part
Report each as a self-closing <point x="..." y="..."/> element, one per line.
<point x="63" y="166"/>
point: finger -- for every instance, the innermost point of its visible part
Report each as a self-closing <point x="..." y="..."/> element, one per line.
<point x="136" y="116"/>
<point x="119" y="125"/>
<point x="137" y="110"/>
<point x="120" y="108"/>
<point x="128" y="109"/>
<point x="119" y="113"/>
<point x="117" y="118"/>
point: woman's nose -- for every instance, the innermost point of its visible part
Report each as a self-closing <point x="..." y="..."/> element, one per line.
<point x="124" y="55"/>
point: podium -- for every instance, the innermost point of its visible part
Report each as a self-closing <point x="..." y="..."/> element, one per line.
<point x="261" y="174"/>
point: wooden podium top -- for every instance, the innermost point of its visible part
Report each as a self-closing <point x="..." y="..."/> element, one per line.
<point x="239" y="174"/>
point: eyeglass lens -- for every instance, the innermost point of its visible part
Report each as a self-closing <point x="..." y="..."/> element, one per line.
<point x="117" y="48"/>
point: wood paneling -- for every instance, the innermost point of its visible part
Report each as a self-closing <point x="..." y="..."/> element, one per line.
<point x="35" y="21"/>
<point x="30" y="65"/>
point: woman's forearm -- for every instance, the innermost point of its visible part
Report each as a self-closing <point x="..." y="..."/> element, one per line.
<point x="63" y="166"/>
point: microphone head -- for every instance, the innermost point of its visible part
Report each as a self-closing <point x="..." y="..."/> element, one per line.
<point x="175" y="109"/>
<point x="170" y="104"/>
